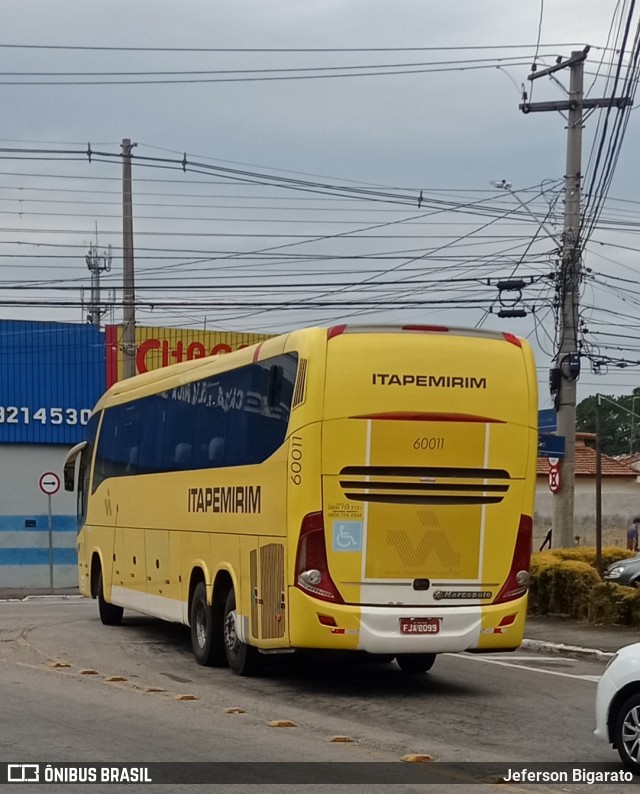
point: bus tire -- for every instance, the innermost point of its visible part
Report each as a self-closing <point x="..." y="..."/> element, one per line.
<point x="243" y="659"/>
<point x="110" y="614"/>
<point x="206" y="631"/>
<point x="415" y="663"/>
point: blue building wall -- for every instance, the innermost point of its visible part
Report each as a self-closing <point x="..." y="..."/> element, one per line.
<point x="51" y="374"/>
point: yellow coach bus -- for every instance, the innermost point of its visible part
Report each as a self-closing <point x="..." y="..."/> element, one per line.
<point x="351" y="488"/>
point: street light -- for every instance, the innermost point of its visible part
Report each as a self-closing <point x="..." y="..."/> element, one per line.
<point x="502" y="184"/>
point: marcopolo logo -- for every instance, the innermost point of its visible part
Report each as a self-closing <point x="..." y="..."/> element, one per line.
<point x="439" y="595"/>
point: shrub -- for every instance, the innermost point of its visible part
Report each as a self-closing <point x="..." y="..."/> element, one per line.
<point x="565" y="582"/>
<point x="542" y="566"/>
<point x="588" y="554"/>
<point x="561" y="587"/>
<point x="614" y="605"/>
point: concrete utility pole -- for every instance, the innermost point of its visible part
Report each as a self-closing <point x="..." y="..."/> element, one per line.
<point x="566" y="370"/>
<point x="128" y="285"/>
<point x="567" y="358"/>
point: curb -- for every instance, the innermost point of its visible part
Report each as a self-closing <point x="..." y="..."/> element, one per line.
<point x="49" y="597"/>
<point x="559" y="647"/>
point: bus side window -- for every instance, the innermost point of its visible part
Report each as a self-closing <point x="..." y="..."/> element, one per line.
<point x="274" y="385"/>
<point x="215" y="452"/>
<point x="182" y="456"/>
<point x="132" y="465"/>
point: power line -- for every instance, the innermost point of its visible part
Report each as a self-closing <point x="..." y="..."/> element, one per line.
<point x="102" y="48"/>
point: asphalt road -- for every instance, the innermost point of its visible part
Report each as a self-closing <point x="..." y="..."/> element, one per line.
<point x="74" y="690"/>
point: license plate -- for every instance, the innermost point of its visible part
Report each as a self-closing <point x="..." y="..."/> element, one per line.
<point x="419" y="625"/>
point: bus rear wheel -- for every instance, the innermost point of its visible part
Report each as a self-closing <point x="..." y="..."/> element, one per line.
<point x="416" y="663"/>
<point x="110" y="614"/>
<point x="206" y="630"/>
<point x="243" y="659"/>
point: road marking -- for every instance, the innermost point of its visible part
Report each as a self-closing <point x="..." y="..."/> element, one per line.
<point x="518" y="658"/>
<point x="592" y="678"/>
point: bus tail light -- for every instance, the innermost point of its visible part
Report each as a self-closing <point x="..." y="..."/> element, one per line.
<point x="517" y="582"/>
<point x="513" y="339"/>
<point x="312" y="568"/>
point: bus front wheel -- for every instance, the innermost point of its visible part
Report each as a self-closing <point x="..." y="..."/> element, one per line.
<point x="206" y="630"/>
<point x="243" y="659"/>
<point x="416" y="663"/>
<point x="110" y="614"/>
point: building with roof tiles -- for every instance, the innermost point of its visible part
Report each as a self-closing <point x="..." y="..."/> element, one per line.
<point x="620" y="495"/>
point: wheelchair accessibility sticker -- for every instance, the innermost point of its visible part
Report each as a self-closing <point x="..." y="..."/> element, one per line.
<point x="347" y="535"/>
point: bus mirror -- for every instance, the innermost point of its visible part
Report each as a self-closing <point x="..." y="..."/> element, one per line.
<point x="69" y="478"/>
<point x="274" y="386"/>
<point x="70" y="465"/>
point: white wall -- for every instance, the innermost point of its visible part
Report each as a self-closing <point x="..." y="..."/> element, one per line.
<point x="20" y="468"/>
<point x="620" y="503"/>
<point x="25" y="560"/>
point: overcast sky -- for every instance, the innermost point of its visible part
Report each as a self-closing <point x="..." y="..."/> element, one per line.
<point x="340" y="102"/>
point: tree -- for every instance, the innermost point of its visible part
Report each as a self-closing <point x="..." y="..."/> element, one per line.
<point x="619" y="421"/>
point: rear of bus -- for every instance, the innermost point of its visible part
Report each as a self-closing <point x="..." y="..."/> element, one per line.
<point x="428" y="467"/>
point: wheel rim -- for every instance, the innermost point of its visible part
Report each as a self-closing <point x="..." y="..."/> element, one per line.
<point x="631" y="734"/>
<point x="201" y="625"/>
<point x="230" y="632"/>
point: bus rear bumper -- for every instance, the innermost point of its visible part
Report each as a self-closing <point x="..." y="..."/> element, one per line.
<point x="381" y="629"/>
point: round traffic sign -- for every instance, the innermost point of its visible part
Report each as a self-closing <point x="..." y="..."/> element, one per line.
<point x="49" y="482"/>
<point x="554" y="476"/>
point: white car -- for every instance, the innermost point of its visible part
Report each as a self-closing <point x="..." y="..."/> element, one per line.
<point x="618" y="706"/>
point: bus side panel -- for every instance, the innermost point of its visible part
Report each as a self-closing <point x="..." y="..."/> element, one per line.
<point x="304" y="494"/>
<point x="503" y="627"/>
<point x="98" y="537"/>
<point x="158" y="562"/>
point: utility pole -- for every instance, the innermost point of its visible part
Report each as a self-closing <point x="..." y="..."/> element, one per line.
<point x="566" y="370"/>
<point x="128" y="285"/>
<point x="598" y="488"/>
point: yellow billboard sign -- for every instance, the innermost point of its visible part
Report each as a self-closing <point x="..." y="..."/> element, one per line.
<point x="160" y="347"/>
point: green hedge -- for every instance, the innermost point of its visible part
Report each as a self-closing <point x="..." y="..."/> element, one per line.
<point x="588" y="554"/>
<point x="561" y="587"/>
<point x="614" y="605"/>
<point x="565" y="582"/>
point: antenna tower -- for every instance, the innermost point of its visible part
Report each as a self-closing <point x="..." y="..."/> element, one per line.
<point x="97" y="262"/>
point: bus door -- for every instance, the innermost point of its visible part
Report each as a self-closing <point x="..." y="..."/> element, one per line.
<point x="117" y="498"/>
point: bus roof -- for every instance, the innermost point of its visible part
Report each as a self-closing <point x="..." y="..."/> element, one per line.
<point x="153" y="381"/>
